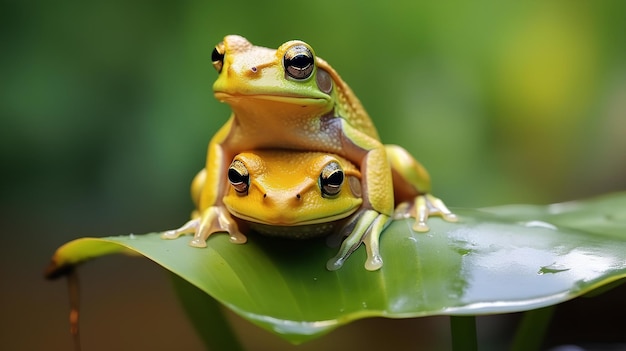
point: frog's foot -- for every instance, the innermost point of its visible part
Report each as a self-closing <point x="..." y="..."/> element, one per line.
<point x="422" y="207"/>
<point x="213" y="220"/>
<point x="364" y="227"/>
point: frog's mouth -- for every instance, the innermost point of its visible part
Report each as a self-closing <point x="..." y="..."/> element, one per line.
<point x="233" y="98"/>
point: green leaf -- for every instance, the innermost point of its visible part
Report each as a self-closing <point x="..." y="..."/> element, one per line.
<point x="495" y="260"/>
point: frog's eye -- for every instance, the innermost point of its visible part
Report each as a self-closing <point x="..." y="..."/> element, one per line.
<point x="299" y="62"/>
<point x="217" y="56"/>
<point x="331" y="179"/>
<point x="239" y="177"/>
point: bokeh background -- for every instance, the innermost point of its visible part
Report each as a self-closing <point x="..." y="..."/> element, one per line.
<point x="106" y="109"/>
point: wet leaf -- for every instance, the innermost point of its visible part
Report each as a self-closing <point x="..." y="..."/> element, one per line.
<point x="495" y="260"/>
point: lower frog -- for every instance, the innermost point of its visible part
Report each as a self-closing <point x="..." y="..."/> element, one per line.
<point x="300" y="194"/>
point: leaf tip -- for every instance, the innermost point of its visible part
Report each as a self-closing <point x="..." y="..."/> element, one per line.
<point x="56" y="270"/>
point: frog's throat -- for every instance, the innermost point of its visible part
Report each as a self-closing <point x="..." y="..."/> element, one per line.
<point x="295" y="232"/>
<point x="286" y="222"/>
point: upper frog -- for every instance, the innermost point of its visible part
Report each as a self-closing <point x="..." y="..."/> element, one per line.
<point x="289" y="98"/>
<point x="287" y="89"/>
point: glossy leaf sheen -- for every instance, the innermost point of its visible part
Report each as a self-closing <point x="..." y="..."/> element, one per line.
<point x="495" y="260"/>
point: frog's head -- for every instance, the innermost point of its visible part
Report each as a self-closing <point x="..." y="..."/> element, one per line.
<point x="254" y="77"/>
<point x="289" y="188"/>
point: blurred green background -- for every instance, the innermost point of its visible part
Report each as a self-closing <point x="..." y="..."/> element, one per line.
<point x="106" y="109"/>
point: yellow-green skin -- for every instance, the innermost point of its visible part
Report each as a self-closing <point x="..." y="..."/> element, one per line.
<point x="273" y="111"/>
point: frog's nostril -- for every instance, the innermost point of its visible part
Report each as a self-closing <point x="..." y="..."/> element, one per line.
<point x="253" y="69"/>
<point x="298" y="196"/>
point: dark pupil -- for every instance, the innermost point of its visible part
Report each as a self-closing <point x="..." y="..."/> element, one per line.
<point x="335" y="179"/>
<point x="235" y="177"/>
<point x="300" y="61"/>
<point x="216" y="56"/>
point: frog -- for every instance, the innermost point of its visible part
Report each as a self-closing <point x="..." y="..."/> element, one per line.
<point x="292" y="194"/>
<point x="290" y="98"/>
<point x="302" y="195"/>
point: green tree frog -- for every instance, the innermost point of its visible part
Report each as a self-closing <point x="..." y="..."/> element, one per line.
<point x="289" y="98"/>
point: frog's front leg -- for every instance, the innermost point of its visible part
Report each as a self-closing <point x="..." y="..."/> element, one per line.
<point x="365" y="227"/>
<point x="212" y="220"/>
<point x="412" y="187"/>
<point x="207" y="190"/>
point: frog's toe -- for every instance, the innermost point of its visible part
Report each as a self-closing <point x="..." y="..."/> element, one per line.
<point x="374" y="263"/>
<point x="170" y="234"/>
<point x="238" y="237"/>
<point x="420" y="226"/>
<point x="437" y="207"/>
<point x="402" y="211"/>
<point x="348" y="246"/>
<point x="335" y="263"/>
<point x="197" y="242"/>
<point x="200" y="235"/>
<point x="450" y="217"/>
<point x="189" y="227"/>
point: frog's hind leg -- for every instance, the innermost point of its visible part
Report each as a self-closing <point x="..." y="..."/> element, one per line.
<point x="412" y="189"/>
<point x="422" y="207"/>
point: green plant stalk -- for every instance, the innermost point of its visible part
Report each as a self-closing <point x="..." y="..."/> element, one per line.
<point x="463" y="330"/>
<point x="207" y="316"/>
<point x="532" y="329"/>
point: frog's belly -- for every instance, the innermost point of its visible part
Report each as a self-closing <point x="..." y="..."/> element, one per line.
<point x="294" y="232"/>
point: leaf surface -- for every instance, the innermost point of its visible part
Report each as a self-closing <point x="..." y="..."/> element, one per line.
<point x="495" y="260"/>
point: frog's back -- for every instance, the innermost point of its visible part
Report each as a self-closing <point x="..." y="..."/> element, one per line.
<point x="348" y="105"/>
